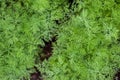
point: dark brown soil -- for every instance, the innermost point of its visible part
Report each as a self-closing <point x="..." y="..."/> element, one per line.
<point x="47" y="49"/>
<point x="117" y="75"/>
<point x="36" y="75"/>
<point x="46" y="53"/>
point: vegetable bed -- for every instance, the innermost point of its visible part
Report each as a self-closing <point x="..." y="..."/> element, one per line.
<point x="59" y="40"/>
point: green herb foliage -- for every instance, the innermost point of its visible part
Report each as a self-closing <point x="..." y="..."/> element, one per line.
<point x="87" y="46"/>
<point x="22" y="28"/>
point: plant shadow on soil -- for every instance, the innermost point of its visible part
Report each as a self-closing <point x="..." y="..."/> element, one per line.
<point x="46" y="53"/>
<point x="117" y="75"/>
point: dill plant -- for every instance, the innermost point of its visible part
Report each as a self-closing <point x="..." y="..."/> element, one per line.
<point x="87" y="46"/>
<point x="23" y="25"/>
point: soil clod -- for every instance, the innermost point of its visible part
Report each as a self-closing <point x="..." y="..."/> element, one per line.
<point x="45" y="54"/>
<point x="117" y="75"/>
<point x="36" y="75"/>
<point x="47" y="49"/>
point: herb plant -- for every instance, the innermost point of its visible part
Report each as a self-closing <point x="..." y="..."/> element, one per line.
<point x="87" y="45"/>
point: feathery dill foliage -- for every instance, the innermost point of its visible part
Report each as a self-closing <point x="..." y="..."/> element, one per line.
<point x="87" y="46"/>
<point x="23" y="23"/>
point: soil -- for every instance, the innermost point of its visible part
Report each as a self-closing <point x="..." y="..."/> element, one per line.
<point x="46" y="53"/>
<point x="36" y="75"/>
<point x="117" y="75"/>
<point x="47" y="49"/>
